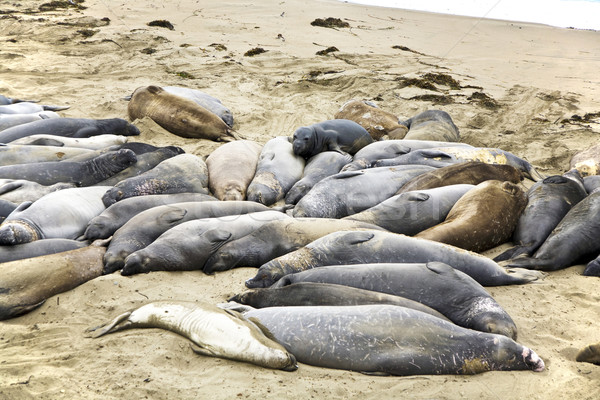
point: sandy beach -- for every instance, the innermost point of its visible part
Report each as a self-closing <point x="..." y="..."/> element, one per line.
<point x="530" y="89"/>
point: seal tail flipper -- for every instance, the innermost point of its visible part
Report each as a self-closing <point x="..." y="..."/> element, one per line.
<point x="514" y="252"/>
<point x="204" y="351"/>
<point x="55" y="108"/>
<point x="534" y="174"/>
<point x="12" y="312"/>
<point x="522" y="275"/>
<point x="236" y="135"/>
<point x="112" y="326"/>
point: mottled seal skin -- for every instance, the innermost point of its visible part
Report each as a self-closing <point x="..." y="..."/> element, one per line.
<point x="472" y="173"/>
<point x="549" y="200"/>
<point x="203" y="237"/>
<point x="61" y="214"/>
<point x="570" y="241"/>
<point x="375" y="120"/>
<point x="278" y="169"/>
<point x="384" y="149"/>
<point x="590" y="354"/>
<point x="90" y="143"/>
<point x="231" y="168"/>
<point x="10" y="120"/>
<point x="70" y="127"/>
<point x="178" y="115"/>
<point x="592" y="268"/>
<point x="387" y="339"/>
<point x="437" y="285"/>
<point x="275" y="239"/>
<point x="317" y="168"/>
<point x="205" y="100"/>
<point x="184" y="173"/>
<point x="20" y="190"/>
<point x="26" y="284"/>
<point x="324" y="294"/>
<point x="216" y="332"/>
<point x="38" y="248"/>
<point x="350" y="192"/>
<point x="341" y="135"/>
<point x="84" y="173"/>
<point x="432" y="125"/>
<point x="364" y="247"/>
<point x="485" y="217"/>
<point x="115" y="216"/>
<point x="12" y="154"/>
<point x="412" y="212"/>
<point x="145" y="227"/>
<point x="587" y="161"/>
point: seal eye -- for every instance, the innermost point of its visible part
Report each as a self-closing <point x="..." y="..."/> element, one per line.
<point x="306" y="139"/>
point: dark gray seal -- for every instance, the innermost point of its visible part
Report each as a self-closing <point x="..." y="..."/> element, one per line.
<point x="412" y="212"/>
<point x="591" y="183"/>
<point x="6" y="207"/>
<point x="437" y="285"/>
<point x="549" y="200"/>
<point x="38" y="248"/>
<point x="431" y="125"/>
<point x="386" y="339"/>
<point x="364" y="247"/>
<point x="341" y="135"/>
<point x="592" y="268"/>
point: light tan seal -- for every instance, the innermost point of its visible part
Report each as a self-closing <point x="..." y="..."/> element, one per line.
<point x="587" y="162"/>
<point x="376" y="121"/>
<point x="177" y="114"/>
<point x="590" y="353"/>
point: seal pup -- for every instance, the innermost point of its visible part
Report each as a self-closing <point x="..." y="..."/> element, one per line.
<point x="10" y="120"/>
<point x="387" y="339"/>
<point x="365" y="247"/>
<point x="215" y="332"/>
<point x="432" y="125"/>
<point x="590" y="354"/>
<point x="485" y="217"/>
<point x="231" y="168"/>
<point x="375" y="120"/>
<point x="178" y="115"/>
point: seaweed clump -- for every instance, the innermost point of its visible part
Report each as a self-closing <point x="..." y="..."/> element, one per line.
<point x="330" y="23"/>
<point x="163" y="23"/>
<point x="254" y="51"/>
<point x="328" y="50"/>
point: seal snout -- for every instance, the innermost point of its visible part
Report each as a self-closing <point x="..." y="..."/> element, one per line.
<point x="134" y="263"/>
<point x="532" y="360"/>
<point x="12" y="234"/>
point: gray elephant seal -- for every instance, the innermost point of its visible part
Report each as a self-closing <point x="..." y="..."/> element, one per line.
<point x="90" y="143"/>
<point x="215" y="332"/>
<point x="432" y="125"/>
<point x="341" y="135"/>
<point x="449" y="291"/>
<point x="26" y="107"/>
<point x="205" y="100"/>
<point x="178" y="115"/>
<point x="592" y="268"/>
<point x="231" y="168"/>
<point x="26" y="284"/>
<point x="10" y="120"/>
<point x="12" y="154"/>
<point x="6" y="207"/>
<point x="412" y="212"/>
<point x="387" y="339"/>
<point x="376" y="121"/>
<point x="365" y="247"/>
<point x="20" y="190"/>
<point x="38" y="248"/>
<point x="589" y="353"/>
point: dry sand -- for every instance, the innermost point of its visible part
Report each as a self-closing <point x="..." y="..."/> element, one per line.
<point x="536" y="79"/>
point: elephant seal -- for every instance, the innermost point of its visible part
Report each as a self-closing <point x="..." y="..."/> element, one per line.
<point x="70" y="127"/>
<point x="38" y="248"/>
<point x="324" y="294"/>
<point x="215" y="332"/>
<point x="387" y="339"/>
<point x="275" y="239"/>
<point x="6" y="207"/>
<point x="485" y="217"/>
<point x="341" y="135"/>
<point x="12" y="154"/>
<point x="317" y="168"/>
<point x="61" y="214"/>
<point x="104" y="225"/>
<point x="375" y="120"/>
<point x="231" y="168"/>
<point x="85" y="173"/>
<point x="145" y="227"/>
<point x="183" y="173"/>
<point x="432" y="125"/>
<point x="570" y="241"/>
<point x="548" y="202"/>
<point x="451" y="292"/>
<point x="364" y="247"/>
<point x="412" y="212"/>
<point x="26" y="107"/>
<point x="472" y="173"/>
<point x="348" y="193"/>
<point x="205" y="100"/>
<point x="590" y="354"/>
<point x="9" y="100"/>
<point x="26" y="284"/>
<point x="278" y="169"/>
<point x="90" y="143"/>
<point x="178" y="115"/>
<point x="20" y="190"/>
<point x="587" y="161"/>
<point x="203" y="237"/>
<point x="591" y="183"/>
<point x="10" y="120"/>
<point x="592" y="268"/>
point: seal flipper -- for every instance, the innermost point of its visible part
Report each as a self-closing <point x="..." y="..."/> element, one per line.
<point x="15" y="311"/>
<point x="418" y="196"/>
<point x="514" y="252"/>
<point x="55" y="108"/>
<point x="112" y="326"/>
<point x="522" y="275"/>
<point x="204" y="351"/>
<point x="47" y="142"/>
<point x="86" y="132"/>
<point x="375" y="373"/>
<point x="10" y="186"/>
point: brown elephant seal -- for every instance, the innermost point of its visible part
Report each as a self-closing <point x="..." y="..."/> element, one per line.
<point x="26" y="284"/>
<point x="387" y="339"/>
<point x="215" y="332"/>
<point x="587" y="161"/>
<point x="341" y="135"/>
<point x="472" y="173"/>
<point x="231" y="168"/>
<point x="205" y="100"/>
<point x="178" y="115"/>
<point x="432" y="125"/>
<point x="590" y="354"/>
<point x="375" y="120"/>
<point x="485" y="217"/>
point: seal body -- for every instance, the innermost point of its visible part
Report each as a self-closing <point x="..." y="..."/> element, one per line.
<point x="26" y="107"/>
<point x="591" y="183"/>
<point x="12" y="154"/>
<point x="205" y="100"/>
<point x="412" y="212"/>
<point x="390" y="339"/>
<point x="341" y="135"/>
<point x="176" y="114"/>
<point x="38" y="248"/>
<point x="376" y="121"/>
<point x="364" y="247"/>
<point x="277" y="170"/>
<point x="10" y="120"/>
<point x="90" y="143"/>
<point x="432" y="125"/>
<point x="217" y="332"/>
<point x="592" y="268"/>
<point x="231" y="168"/>
<point x="20" y="190"/>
